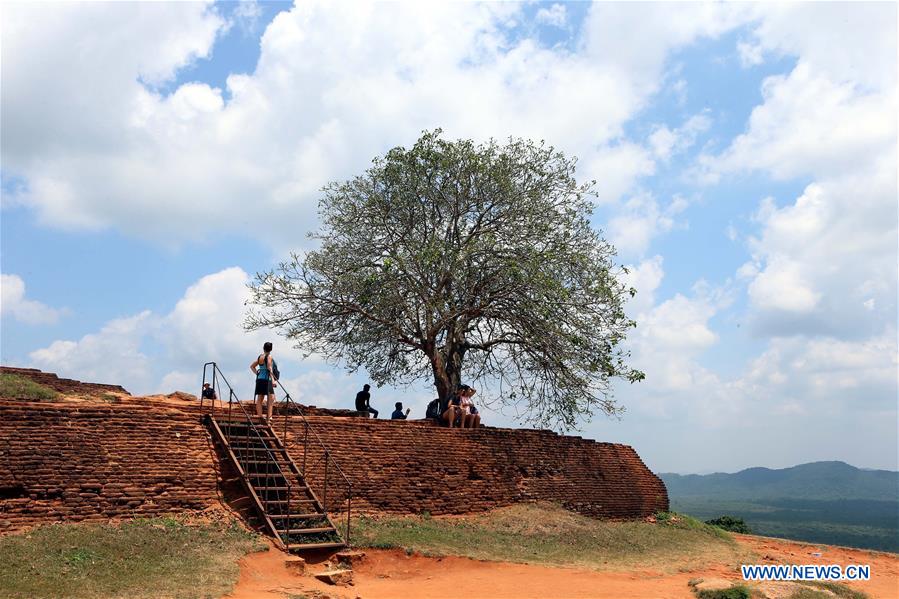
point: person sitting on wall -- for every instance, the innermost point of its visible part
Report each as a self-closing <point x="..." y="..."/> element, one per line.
<point x="470" y="418"/>
<point x="433" y="410"/>
<point x="450" y="410"/>
<point x="467" y="418"/>
<point x="208" y="392"/>
<point x="363" y="399"/>
<point x="398" y="412"/>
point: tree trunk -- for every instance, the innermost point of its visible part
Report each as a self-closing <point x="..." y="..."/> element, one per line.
<point x="447" y="372"/>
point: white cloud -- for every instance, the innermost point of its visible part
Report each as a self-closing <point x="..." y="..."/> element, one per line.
<point x="101" y="150"/>
<point x="827" y="374"/>
<point x="204" y="325"/>
<point x="809" y="124"/>
<point x="666" y="142"/>
<point x="645" y="277"/>
<point x="246" y="15"/>
<point x="156" y="353"/>
<point x="670" y="335"/>
<point x="817" y="260"/>
<point x="660" y="28"/>
<point x="866" y="49"/>
<point x="556" y="15"/>
<point x="821" y="279"/>
<point x="781" y="286"/>
<point x="616" y="168"/>
<point x="731" y="232"/>
<point x="113" y="355"/>
<point x="640" y="220"/>
<point x="326" y="389"/>
<point x="206" y="322"/>
<point x="750" y="54"/>
<point x="14" y="303"/>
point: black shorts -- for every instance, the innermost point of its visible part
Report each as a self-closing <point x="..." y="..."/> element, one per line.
<point x="264" y="387"/>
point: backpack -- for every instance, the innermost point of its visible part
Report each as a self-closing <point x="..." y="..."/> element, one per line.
<point x="433" y="410"/>
<point x="275" y="372"/>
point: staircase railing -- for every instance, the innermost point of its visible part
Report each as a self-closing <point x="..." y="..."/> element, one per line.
<point x="330" y="470"/>
<point x="213" y="374"/>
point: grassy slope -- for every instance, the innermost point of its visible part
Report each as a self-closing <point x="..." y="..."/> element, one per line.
<point x="146" y="558"/>
<point x="551" y="535"/>
<point x="547" y="534"/>
<point x="20" y="387"/>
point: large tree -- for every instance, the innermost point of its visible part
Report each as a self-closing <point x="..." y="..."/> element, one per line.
<point x="462" y="262"/>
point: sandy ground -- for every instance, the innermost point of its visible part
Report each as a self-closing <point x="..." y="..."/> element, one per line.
<point x="391" y="574"/>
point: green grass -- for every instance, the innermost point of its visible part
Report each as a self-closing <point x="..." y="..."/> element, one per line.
<point x="150" y="558"/>
<point x="20" y="387"/>
<point x="551" y="535"/>
<point x="826" y="590"/>
<point x="734" y="592"/>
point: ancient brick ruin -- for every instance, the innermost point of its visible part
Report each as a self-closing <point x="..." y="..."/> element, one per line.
<point x="101" y="454"/>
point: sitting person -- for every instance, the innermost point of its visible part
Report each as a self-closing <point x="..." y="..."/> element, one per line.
<point x="208" y="392"/>
<point x="433" y="410"/>
<point x="398" y="412"/>
<point x="469" y="417"/>
<point x="474" y="418"/>
<point x="363" y="402"/>
<point x="450" y="409"/>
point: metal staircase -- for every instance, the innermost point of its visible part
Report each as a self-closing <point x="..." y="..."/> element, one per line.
<point x="282" y="492"/>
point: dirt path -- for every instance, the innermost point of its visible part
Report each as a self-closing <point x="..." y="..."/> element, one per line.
<point x="391" y="574"/>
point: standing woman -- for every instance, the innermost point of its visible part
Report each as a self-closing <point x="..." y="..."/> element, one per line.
<point x="265" y="381"/>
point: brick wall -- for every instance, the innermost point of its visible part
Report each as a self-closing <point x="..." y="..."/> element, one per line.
<point x="77" y="461"/>
<point x="92" y="459"/>
<point x="414" y="466"/>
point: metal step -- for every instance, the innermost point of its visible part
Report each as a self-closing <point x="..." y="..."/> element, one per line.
<point x="296" y="516"/>
<point x="306" y="531"/>
<point x="276" y="452"/>
<point x="250" y="438"/>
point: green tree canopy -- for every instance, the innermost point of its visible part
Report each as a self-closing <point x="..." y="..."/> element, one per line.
<point x="462" y="262"/>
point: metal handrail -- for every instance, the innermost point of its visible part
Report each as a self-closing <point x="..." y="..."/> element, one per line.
<point x="216" y="374"/>
<point x="327" y="455"/>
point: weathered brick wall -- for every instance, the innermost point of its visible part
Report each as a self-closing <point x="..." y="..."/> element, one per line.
<point x="61" y="385"/>
<point x="413" y="466"/>
<point x="77" y="461"/>
<point x="95" y="460"/>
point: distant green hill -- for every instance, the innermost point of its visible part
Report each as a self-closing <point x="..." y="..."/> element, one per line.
<point x="821" y="502"/>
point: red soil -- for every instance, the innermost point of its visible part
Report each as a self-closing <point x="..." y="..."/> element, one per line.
<point x="391" y="574"/>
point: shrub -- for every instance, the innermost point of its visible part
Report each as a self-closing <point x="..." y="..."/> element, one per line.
<point x="734" y="592"/>
<point x="730" y="523"/>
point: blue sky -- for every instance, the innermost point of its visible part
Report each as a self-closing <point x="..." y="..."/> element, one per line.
<point x="745" y="163"/>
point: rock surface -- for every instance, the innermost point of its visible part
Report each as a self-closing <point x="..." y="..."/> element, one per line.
<point x="336" y="577"/>
<point x="348" y="559"/>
